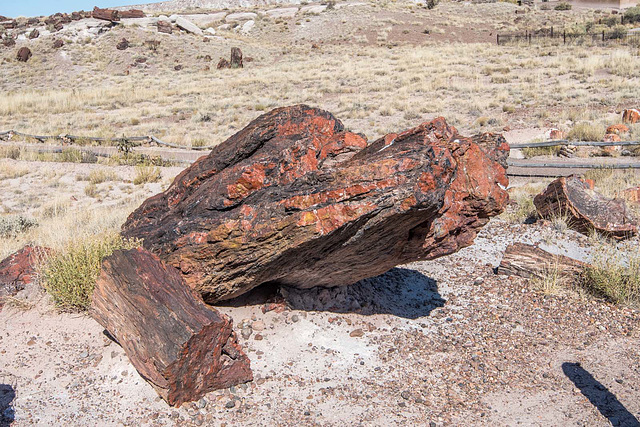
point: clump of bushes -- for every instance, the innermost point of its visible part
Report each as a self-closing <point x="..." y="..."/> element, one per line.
<point x="614" y="277"/>
<point x="586" y="132"/>
<point x="632" y="14"/>
<point x="14" y="225"/>
<point x="540" y="151"/>
<point x="563" y="6"/>
<point x="145" y="174"/>
<point x="70" y="275"/>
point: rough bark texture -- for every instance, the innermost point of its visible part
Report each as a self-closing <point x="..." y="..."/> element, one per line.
<point x="585" y="209"/>
<point x="19" y="269"/>
<point x="631" y="115"/>
<point x="23" y="55"/>
<point x="293" y="198"/>
<point x="236" y="58"/>
<point x="164" y="27"/>
<point x="105" y="14"/>
<point x="521" y="259"/>
<point x="182" y="347"/>
<point x="223" y="63"/>
<point x="132" y="13"/>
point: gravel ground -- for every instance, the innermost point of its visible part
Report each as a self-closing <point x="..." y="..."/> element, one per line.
<point x="445" y="342"/>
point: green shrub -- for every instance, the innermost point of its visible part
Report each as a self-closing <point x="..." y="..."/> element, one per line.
<point x="632" y="14"/>
<point x="614" y="277"/>
<point x="619" y="32"/>
<point x="70" y="275"/>
<point x="145" y="174"/>
<point x="98" y="176"/>
<point x="14" y="225"/>
<point x="563" y="6"/>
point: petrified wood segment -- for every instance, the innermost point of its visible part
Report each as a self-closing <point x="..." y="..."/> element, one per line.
<point x="521" y="259"/>
<point x="19" y="269"/>
<point x="105" y="14"/>
<point x="294" y="198"/>
<point x="585" y="209"/>
<point x="177" y="343"/>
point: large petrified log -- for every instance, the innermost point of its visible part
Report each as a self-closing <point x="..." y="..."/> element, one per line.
<point x="177" y="343"/>
<point x="521" y="259"/>
<point x="105" y="14"/>
<point x="571" y="197"/>
<point x="132" y="13"/>
<point x="296" y="199"/>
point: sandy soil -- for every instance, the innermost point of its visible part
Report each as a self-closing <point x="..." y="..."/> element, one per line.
<point x="444" y="342"/>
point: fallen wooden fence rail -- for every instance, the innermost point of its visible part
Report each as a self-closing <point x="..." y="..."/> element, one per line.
<point x="512" y="163"/>
<point x="557" y="142"/>
<point x="68" y="138"/>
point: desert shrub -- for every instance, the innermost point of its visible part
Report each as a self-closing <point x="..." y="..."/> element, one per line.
<point x="70" y="275"/>
<point x="98" y="176"/>
<point x="432" y="3"/>
<point x="10" y="171"/>
<point x="540" y="151"/>
<point x="10" y="152"/>
<point x="14" y="225"/>
<point x="563" y="6"/>
<point x="611" y="21"/>
<point x="509" y="109"/>
<point x="613" y="276"/>
<point x="632" y="14"/>
<point x="71" y="155"/>
<point x="91" y="190"/>
<point x="145" y="174"/>
<point x="586" y="132"/>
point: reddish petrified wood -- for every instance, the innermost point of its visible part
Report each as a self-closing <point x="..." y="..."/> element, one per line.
<point x="294" y="198"/>
<point x="34" y="34"/>
<point x="223" y="63"/>
<point x="236" y="58"/>
<point x="23" y="55"/>
<point x="132" y="13"/>
<point x="164" y="27"/>
<point x="586" y="210"/>
<point x="631" y="115"/>
<point x="105" y="14"/>
<point x="521" y="259"/>
<point x="19" y="269"/>
<point x="57" y="44"/>
<point x="123" y="44"/>
<point x="182" y="347"/>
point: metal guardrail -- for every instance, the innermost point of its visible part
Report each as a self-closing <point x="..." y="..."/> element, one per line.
<point x="556" y="142"/>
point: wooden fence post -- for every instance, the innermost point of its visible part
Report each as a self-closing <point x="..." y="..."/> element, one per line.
<point x="564" y="37"/>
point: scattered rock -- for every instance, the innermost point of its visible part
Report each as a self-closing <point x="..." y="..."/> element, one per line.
<point x="178" y="67"/>
<point x="587" y="210"/>
<point x="611" y="137"/>
<point x="246" y="333"/>
<point x="164" y="27"/>
<point x="223" y="63"/>
<point x="34" y="34"/>
<point x="23" y="55"/>
<point x="320" y="201"/>
<point x="210" y="31"/>
<point x="632" y="194"/>
<point x="230" y="404"/>
<point x="188" y="26"/>
<point x="357" y="333"/>
<point x="283" y="12"/>
<point x="132" y="13"/>
<point x="557" y="134"/>
<point x="57" y="44"/>
<point x="123" y="45"/>
<point x="258" y="326"/>
<point x="8" y="41"/>
<point x="631" y="115"/>
<point x="617" y="129"/>
<point x="248" y="26"/>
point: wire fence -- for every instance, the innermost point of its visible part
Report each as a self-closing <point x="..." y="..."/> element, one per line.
<point x="549" y="35"/>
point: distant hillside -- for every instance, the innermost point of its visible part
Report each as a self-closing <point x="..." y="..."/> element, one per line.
<point x="175" y="5"/>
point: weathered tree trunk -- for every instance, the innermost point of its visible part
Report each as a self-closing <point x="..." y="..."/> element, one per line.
<point x="105" y="14"/>
<point x="132" y="13"/>
<point x="585" y="210"/>
<point x="521" y="259"/>
<point x="178" y="344"/>
<point x="236" y="58"/>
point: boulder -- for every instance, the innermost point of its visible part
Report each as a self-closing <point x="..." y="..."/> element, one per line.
<point x="188" y="26"/>
<point x="632" y="194"/>
<point x="236" y="58"/>
<point x="57" y="44"/>
<point x="295" y="199"/>
<point x="248" y="26"/>
<point x="210" y="31"/>
<point x="19" y="269"/>
<point x="223" y="63"/>
<point x="617" y="129"/>
<point x="584" y="209"/>
<point x="557" y="134"/>
<point x="8" y="41"/>
<point x="165" y="27"/>
<point x="23" y="55"/>
<point x="132" y="13"/>
<point x="123" y="44"/>
<point x="105" y="14"/>
<point x="34" y="34"/>
<point x="611" y="137"/>
<point x="183" y="348"/>
<point x="631" y="115"/>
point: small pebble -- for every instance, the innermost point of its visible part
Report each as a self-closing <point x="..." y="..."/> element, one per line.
<point x="230" y="404"/>
<point x="405" y="395"/>
<point x="295" y="318"/>
<point x="246" y="333"/>
<point x="356" y="333"/>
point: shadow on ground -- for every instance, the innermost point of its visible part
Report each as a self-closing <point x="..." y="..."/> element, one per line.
<point x="400" y="292"/>
<point x="599" y="396"/>
<point x="7" y="394"/>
